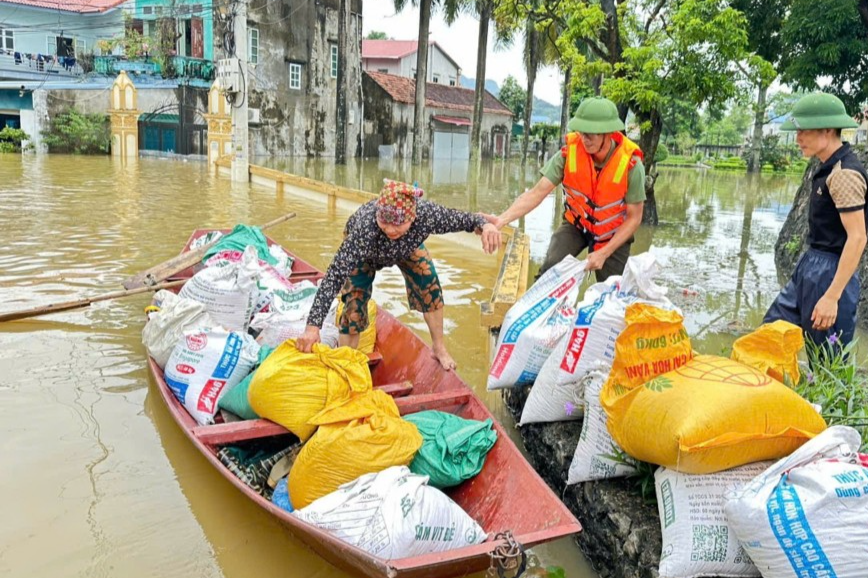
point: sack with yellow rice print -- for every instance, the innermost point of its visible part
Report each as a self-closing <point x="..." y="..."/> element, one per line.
<point x="361" y="435"/>
<point x="773" y="349"/>
<point x="368" y="337"/>
<point x="290" y="387"/>
<point x="701" y="415"/>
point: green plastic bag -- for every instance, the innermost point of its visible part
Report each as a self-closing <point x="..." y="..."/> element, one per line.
<point x="235" y="400"/>
<point x="454" y="448"/>
<point x="238" y="240"/>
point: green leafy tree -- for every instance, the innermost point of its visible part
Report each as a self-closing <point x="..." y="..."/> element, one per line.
<point x="545" y="132"/>
<point x="765" y="18"/>
<point x="827" y="39"/>
<point x="376" y="35"/>
<point x="513" y="96"/>
<point x="78" y="133"/>
<point x="647" y="54"/>
<point x="12" y="140"/>
<point x="684" y="143"/>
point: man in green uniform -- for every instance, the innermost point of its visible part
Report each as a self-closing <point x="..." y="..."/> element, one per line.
<point x="604" y="191"/>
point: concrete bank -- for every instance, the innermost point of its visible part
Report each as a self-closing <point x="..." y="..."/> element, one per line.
<point x="620" y="531"/>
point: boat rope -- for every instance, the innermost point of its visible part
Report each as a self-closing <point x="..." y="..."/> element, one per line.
<point x="508" y="557"/>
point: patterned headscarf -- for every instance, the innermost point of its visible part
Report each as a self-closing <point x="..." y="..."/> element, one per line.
<point x="397" y="202"/>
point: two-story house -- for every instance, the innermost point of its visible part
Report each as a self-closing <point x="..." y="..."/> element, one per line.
<point x="292" y="77"/>
<point x="390" y="70"/>
<point x="48" y="39"/>
<point x="398" y="57"/>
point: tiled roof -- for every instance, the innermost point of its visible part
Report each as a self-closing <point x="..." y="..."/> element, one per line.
<point x="388" y="49"/>
<point x="396" y="49"/>
<point x="403" y="89"/>
<point x="78" y="6"/>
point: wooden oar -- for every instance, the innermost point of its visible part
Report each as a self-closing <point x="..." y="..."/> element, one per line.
<point x="78" y="304"/>
<point x="175" y="265"/>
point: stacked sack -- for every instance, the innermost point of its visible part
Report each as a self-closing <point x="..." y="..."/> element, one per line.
<point x="714" y="425"/>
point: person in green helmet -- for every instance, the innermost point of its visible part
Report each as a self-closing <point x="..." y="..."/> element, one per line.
<point x="604" y="191"/>
<point x="822" y="295"/>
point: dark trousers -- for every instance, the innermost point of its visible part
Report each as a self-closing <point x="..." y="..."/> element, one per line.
<point x="570" y="240"/>
<point x="796" y="301"/>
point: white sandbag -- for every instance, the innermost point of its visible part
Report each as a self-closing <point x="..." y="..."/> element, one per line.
<point x="597" y="456"/>
<point x="697" y="540"/>
<point x="534" y="325"/>
<point x="230" y="292"/>
<point x="287" y="319"/>
<point x="807" y="515"/>
<point x="166" y="326"/>
<point x="205" y="364"/>
<point x="270" y="279"/>
<point x="598" y="322"/>
<point x="394" y="514"/>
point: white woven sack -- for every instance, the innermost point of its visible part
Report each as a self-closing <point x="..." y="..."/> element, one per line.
<point x="534" y="325"/>
<point x="394" y="514"/>
<point x="697" y="540"/>
<point x="597" y="455"/>
<point x="205" y="364"/>
<point x="807" y="515"/>
<point x="166" y="326"/>
<point x="229" y="293"/>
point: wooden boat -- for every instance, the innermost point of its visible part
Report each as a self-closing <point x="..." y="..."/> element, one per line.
<point x="507" y="495"/>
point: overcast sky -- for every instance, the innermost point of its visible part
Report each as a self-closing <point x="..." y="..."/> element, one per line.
<point x="459" y="41"/>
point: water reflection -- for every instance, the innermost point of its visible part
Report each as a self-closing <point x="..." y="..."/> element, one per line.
<point x="117" y="490"/>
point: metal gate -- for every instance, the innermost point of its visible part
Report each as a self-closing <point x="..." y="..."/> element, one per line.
<point x="451" y="145"/>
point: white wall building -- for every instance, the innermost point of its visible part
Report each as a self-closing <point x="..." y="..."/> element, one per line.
<point x="398" y="57"/>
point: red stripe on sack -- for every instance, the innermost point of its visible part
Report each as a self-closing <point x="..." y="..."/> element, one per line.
<point x="501" y="359"/>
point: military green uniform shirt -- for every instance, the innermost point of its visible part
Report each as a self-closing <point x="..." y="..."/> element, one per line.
<point x="554" y="171"/>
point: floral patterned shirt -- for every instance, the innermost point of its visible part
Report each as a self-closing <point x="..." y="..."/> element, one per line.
<point x="365" y="243"/>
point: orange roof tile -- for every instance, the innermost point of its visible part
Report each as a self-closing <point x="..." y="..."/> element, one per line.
<point x="403" y="90"/>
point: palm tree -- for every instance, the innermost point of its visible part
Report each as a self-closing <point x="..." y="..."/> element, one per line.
<point x="484" y="9"/>
<point x="451" y="8"/>
<point x="540" y="48"/>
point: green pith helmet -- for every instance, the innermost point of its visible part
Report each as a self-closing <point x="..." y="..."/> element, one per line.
<point x="819" y="110"/>
<point x="596" y="116"/>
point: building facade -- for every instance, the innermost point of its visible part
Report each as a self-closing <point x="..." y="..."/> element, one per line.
<point x="292" y="77"/>
<point x="46" y="40"/>
<point x="398" y="57"/>
<point x="389" y="119"/>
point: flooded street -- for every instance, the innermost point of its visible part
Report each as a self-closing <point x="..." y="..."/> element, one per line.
<point x="96" y="478"/>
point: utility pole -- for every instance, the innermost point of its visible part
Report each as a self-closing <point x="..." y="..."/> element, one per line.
<point x="240" y="139"/>
<point x="341" y="103"/>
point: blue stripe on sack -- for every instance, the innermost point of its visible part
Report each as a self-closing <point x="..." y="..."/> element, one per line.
<point x="794" y="535"/>
<point x="229" y="359"/>
<point x="179" y="388"/>
<point x="526" y="319"/>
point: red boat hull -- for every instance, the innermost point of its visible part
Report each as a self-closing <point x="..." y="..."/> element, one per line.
<point x="506" y="495"/>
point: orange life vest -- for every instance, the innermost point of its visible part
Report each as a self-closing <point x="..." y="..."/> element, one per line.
<point x="596" y="202"/>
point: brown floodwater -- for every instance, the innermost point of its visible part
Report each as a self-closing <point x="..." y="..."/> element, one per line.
<point x="96" y="478"/>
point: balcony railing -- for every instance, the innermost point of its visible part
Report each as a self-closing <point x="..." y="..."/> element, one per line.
<point x="18" y="65"/>
<point x="179" y="67"/>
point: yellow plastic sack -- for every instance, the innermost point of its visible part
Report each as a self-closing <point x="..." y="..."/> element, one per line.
<point x="653" y="342"/>
<point x="358" y="436"/>
<point x="713" y="414"/>
<point x="772" y="349"/>
<point x="290" y="387"/>
<point x="368" y="337"/>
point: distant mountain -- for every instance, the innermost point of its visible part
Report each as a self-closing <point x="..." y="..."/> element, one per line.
<point x="543" y="111"/>
<point x="490" y="85"/>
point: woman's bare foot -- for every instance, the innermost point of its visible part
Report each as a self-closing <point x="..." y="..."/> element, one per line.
<point x="446" y="361"/>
